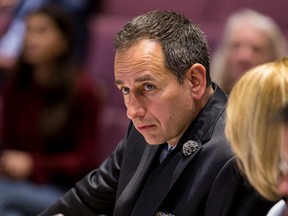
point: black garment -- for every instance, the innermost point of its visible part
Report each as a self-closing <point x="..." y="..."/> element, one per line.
<point x="133" y="182"/>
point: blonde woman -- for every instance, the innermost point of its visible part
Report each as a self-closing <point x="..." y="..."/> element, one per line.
<point x="254" y="137"/>
<point x="249" y="39"/>
<point x="281" y="209"/>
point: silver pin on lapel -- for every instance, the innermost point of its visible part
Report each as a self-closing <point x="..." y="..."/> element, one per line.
<point x="189" y="147"/>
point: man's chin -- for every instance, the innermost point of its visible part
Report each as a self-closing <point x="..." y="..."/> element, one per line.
<point x="153" y="141"/>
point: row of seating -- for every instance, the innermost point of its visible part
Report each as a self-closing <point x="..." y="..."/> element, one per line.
<point x="199" y="10"/>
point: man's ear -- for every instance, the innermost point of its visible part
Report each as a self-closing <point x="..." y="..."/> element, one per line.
<point x="197" y="76"/>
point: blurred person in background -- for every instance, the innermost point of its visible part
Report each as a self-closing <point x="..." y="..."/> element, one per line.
<point x="252" y="132"/>
<point x="249" y="39"/>
<point x="11" y="39"/>
<point x="49" y="118"/>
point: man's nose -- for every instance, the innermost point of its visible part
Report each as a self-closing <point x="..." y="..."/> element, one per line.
<point x="135" y="108"/>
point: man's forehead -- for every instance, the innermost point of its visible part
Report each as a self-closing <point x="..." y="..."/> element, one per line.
<point x="137" y="79"/>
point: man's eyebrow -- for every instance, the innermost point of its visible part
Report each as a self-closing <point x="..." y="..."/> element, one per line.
<point x="139" y="79"/>
<point x="144" y="78"/>
<point x="119" y="82"/>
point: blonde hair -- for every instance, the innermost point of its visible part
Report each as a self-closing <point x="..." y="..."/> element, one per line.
<point x="254" y="138"/>
<point x="278" y="43"/>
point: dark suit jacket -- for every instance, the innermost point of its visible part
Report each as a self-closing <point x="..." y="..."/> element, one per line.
<point x="132" y="181"/>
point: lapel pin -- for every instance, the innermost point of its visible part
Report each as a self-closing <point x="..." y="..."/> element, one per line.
<point x="189" y="147"/>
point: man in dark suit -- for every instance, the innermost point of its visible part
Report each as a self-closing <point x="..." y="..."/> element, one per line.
<point x="162" y="70"/>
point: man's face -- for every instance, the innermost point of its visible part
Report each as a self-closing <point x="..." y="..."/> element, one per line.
<point x="247" y="47"/>
<point x="283" y="184"/>
<point x="159" y="106"/>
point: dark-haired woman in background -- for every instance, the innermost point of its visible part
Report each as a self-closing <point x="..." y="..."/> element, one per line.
<point x="49" y="118"/>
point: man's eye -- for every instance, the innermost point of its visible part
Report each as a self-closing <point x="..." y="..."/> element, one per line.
<point x="125" y="90"/>
<point x="149" y="87"/>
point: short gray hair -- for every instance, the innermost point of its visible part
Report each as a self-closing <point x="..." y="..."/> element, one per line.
<point x="183" y="42"/>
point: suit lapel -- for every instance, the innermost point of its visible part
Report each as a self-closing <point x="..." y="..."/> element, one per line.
<point x="160" y="182"/>
<point x="131" y="192"/>
<point x="184" y="161"/>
